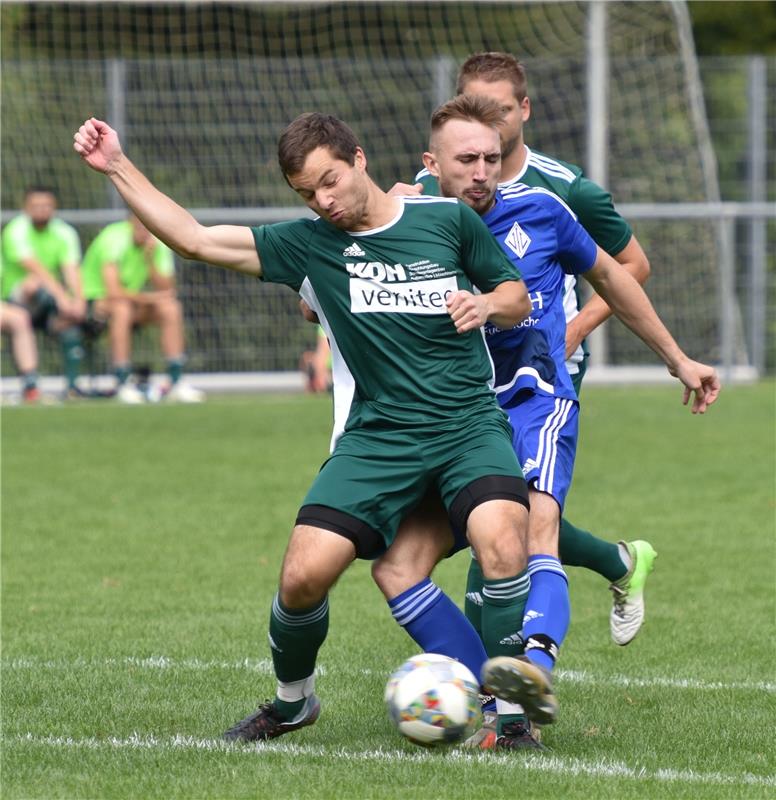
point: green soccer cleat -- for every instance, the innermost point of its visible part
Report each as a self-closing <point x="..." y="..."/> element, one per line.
<point x="627" y="615"/>
<point x="518" y="680"/>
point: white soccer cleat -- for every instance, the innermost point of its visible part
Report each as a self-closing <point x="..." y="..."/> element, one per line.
<point x="130" y="395"/>
<point x="627" y="614"/>
<point x="181" y="392"/>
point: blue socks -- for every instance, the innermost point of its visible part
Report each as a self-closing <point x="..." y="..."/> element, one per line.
<point x="438" y="626"/>
<point x="547" y="612"/>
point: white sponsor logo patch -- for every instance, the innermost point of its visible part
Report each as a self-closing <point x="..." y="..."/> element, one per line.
<point x="376" y="271"/>
<point x="418" y="297"/>
<point x="518" y="240"/>
<point x="353" y="251"/>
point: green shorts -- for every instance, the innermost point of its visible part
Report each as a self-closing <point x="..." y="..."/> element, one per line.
<point x="376" y="476"/>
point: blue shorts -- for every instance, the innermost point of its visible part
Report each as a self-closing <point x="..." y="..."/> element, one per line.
<point x="544" y="436"/>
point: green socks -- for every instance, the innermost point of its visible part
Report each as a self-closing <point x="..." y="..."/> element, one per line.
<point x="295" y="637"/>
<point x="72" y="353"/>
<point x="503" y="606"/>
<point x="580" y="548"/>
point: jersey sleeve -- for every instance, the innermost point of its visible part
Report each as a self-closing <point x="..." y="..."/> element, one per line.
<point x="576" y="249"/>
<point x="283" y="249"/>
<point x="429" y="182"/>
<point x="595" y="209"/>
<point x="110" y="245"/>
<point x="483" y="260"/>
<point x="164" y="263"/>
<point x="16" y="241"/>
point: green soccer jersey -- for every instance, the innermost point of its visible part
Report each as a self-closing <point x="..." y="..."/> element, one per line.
<point x="380" y="295"/>
<point x="114" y="245"/>
<point x="53" y="247"/>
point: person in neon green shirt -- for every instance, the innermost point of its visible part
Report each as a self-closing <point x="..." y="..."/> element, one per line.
<point x="129" y="279"/>
<point x="41" y="254"/>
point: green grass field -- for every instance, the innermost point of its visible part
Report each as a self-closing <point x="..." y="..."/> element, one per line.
<point x="140" y="553"/>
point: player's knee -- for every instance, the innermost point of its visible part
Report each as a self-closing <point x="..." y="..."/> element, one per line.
<point x="120" y="313"/>
<point x="170" y="310"/>
<point x="299" y="588"/>
<point x="393" y="578"/>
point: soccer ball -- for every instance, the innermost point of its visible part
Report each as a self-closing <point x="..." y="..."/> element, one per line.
<point x="434" y="700"/>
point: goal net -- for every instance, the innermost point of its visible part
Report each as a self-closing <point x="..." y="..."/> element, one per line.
<point x="200" y="92"/>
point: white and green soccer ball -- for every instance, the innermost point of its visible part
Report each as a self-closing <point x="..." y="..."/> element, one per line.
<point x="434" y="700"/>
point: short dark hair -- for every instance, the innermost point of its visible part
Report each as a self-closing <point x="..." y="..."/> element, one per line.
<point x="492" y="67"/>
<point x="468" y="107"/>
<point x="40" y="188"/>
<point x="312" y="130"/>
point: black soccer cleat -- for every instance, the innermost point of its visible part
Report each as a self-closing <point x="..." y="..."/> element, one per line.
<point x="517" y="736"/>
<point x="267" y="723"/>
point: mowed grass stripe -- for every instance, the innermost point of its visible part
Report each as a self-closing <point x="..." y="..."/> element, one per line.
<point x="264" y="667"/>
<point x="528" y="762"/>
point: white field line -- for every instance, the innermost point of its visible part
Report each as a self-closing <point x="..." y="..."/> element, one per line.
<point x="528" y="762"/>
<point x="264" y="667"/>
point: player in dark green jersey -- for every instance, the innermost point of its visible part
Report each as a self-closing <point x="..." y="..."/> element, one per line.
<point x="502" y="78"/>
<point x="393" y="282"/>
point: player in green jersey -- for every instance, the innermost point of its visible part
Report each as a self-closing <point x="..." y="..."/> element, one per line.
<point x="393" y="282"/>
<point x="129" y="280"/>
<point x="501" y="77"/>
<point x="41" y="254"/>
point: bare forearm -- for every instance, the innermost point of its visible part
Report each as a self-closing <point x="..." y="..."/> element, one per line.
<point x="633" y="309"/>
<point x="595" y="311"/>
<point x="508" y="304"/>
<point x="168" y="221"/>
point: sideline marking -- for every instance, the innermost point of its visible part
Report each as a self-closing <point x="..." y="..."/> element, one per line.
<point x="529" y="762"/>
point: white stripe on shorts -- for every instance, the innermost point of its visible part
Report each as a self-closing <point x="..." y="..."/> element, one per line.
<point x="548" y="444"/>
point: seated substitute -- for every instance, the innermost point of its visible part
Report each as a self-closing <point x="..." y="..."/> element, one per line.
<point x="129" y="280"/>
<point x="41" y="254"/>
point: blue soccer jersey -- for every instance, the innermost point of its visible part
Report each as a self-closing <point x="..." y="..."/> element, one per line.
<point x="545" y="242"/>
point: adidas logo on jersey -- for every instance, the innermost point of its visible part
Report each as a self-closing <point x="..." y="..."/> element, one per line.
<point x="353" y="251"/>
<point x="518" y="241"/>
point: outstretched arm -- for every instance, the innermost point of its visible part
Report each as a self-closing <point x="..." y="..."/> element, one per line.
<point x="229" y="246"/>
<point x="595" y="311"/>
<point x="632" y="306"/>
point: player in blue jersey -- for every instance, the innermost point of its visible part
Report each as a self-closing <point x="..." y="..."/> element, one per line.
<point x="541" y="235"/>
<point x="501" y="77"/>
